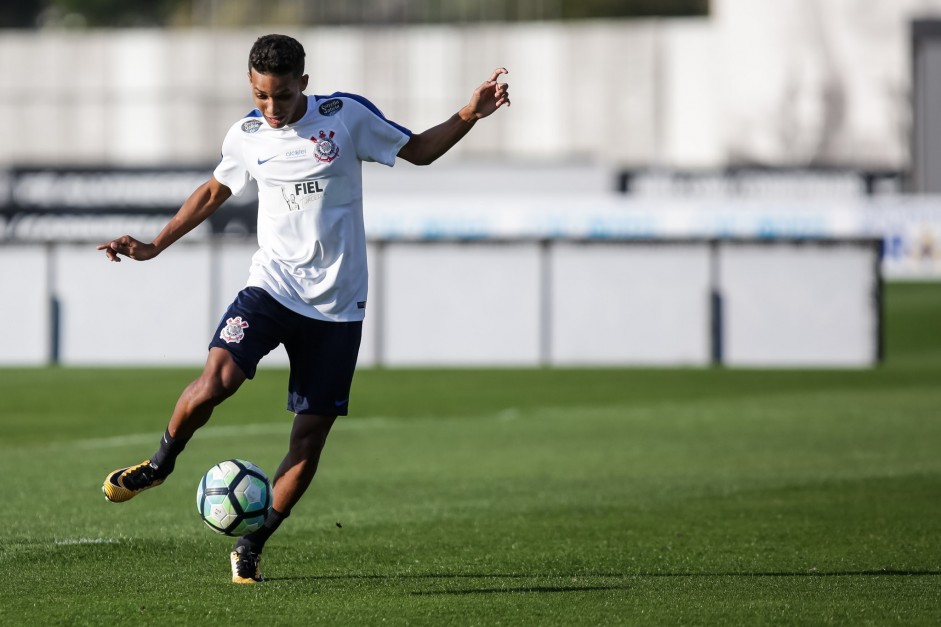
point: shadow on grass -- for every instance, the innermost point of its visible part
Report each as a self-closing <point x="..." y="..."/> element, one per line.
<point x="520" y="590"/>
<point x="806" y="573"/>
<point x="595" y="588"/>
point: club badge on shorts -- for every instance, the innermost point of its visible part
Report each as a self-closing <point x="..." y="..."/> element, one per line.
<point x="234" y="330"/>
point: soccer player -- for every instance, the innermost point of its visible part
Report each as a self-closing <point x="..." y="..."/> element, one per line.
<point x="306" y="287"/>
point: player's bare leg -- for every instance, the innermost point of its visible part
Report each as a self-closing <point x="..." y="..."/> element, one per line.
<point x="291" y="480"/>
<point x="297" y="469"/>
<point x="220" y="378"/>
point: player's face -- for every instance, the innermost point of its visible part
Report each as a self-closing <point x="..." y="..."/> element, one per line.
<point x="280" y="99"/>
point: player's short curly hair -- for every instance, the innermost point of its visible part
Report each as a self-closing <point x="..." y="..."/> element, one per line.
<point x="279" y="55"/>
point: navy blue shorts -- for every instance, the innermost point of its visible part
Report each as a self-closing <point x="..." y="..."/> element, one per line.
<point x="323" y="354"/>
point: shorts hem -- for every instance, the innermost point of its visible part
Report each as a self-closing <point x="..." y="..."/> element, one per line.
<point x="314" y="412"/>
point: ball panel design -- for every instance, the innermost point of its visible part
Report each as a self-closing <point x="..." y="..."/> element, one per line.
<point x="250" y="467"/>
<point x="234" y="497"/>
<point x="250" y="493"/>
<point x="247" y="525"/>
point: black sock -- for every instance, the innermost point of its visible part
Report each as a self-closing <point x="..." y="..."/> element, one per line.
<point x="255" y="541"/>
<point x="164" y="459"/>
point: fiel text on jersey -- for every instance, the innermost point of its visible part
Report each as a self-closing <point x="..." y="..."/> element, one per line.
<point x="308" y="187"/>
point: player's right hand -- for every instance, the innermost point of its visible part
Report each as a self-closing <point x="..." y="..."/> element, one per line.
<point x="130" y="248"/>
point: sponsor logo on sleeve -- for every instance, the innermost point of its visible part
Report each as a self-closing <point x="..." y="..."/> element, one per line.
<point x="251" y="126"/>
<point x="331" y="107"/>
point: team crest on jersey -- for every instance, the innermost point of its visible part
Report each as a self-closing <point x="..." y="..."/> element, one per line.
<point x="325" y="149"/>
<point x="251" y="126"/>
<point x="234" y="330"/>
<point x="331" y="107"/>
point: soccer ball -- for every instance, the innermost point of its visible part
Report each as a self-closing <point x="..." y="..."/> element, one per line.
<point x="234" y="497"/>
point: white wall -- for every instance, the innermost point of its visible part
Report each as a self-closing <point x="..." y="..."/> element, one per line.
<point x="513" y="303"/>
<point x="452" y="304"/>
<point x="630" y="303"/>
<point x="797" y="306"/>
<point x="132" y="312"/>
<point x="812" y="82"/>
<point x="25" y="304"/>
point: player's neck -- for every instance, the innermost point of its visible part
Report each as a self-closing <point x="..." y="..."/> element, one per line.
<point x="301" y="110"/>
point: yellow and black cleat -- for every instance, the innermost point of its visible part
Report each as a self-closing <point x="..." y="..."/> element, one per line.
<point x="246" y="566"/>
<point x="124" y="484"/>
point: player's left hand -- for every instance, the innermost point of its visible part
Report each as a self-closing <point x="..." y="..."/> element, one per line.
<point x="490" y="96"/>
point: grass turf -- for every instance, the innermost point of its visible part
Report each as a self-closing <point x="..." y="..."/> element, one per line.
<point x="487" y="497"/>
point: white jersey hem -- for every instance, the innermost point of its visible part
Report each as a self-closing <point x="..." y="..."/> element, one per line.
<point x="306" y="310"/>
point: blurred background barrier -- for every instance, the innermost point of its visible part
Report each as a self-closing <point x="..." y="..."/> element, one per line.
<point x="678" y="143"/>
<point x="476" y="303"/>
<point x="480" y="200"/>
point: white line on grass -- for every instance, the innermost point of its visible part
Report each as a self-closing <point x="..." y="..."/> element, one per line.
<point x="217" y="432"/>
<point x="266" y="428"/>
<point x="75" y="541"/>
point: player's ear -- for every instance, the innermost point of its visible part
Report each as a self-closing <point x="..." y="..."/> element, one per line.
<point x="304" y="80"/>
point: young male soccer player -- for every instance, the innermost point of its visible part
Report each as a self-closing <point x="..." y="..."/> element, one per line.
<point x="306" y="287"/>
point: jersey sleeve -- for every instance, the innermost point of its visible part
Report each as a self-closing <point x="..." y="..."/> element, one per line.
<point x="231" y="170"/>
<point x="376" y="138"/>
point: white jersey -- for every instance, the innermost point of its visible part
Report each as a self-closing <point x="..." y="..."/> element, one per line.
<point x="311" y="237"/>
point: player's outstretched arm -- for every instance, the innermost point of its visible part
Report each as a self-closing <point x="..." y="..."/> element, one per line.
<point x="425" y="147"/>
<point x="201" y="204"/>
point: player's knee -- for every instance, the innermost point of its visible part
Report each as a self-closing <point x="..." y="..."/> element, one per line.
<point x="308" y="444"/>
<point x="309" y="436"/>
<point x="215" y="387"/>
<point x="220" y="379"/>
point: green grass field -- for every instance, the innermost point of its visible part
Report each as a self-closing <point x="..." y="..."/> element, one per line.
<point x="501" y="497"/>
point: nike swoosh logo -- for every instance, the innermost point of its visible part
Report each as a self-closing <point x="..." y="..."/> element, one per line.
<point x="341" y="403"/>
<point x="261" y="161"/>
